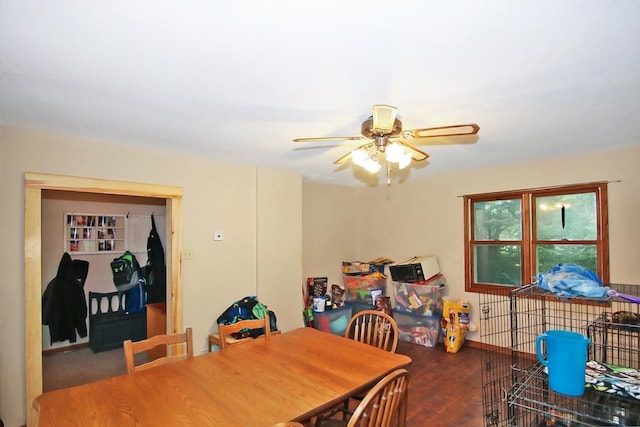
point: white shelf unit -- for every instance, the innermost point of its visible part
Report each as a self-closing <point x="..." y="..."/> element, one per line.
<point x="86" y="233"/>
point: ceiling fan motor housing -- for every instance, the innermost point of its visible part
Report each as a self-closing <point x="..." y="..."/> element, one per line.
<point x="369" y="131"/>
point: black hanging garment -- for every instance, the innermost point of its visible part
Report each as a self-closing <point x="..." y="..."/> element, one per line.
<point x="156" y="269"/>
<point x="64" y="306"/>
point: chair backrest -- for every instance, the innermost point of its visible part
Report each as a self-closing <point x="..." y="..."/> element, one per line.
<point x="226" y="330"/>
<point x="375" y="328"/>
<point x="385" y="404"/>
<point x="289" y="424"/>
<point x="133" y="348"/>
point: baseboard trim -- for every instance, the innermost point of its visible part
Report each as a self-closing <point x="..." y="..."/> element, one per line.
<point x="56" y="350"/>
<point x="473" y="344"/>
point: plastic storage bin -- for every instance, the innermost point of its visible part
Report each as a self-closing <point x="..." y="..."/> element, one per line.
<point x="358" y="288"/>
<point x="357" y="307"/>
<point x="421" y="330"/>
<point x="421" y="299"/>
<point x="333" y="321"/>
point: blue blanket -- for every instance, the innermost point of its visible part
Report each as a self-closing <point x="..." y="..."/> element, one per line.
<point x="572" y="280"/>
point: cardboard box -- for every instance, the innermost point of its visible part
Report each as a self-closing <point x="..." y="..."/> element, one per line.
<point x="355" y="267"/>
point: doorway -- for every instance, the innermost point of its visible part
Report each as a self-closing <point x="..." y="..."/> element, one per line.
<point x="34" y="183"/>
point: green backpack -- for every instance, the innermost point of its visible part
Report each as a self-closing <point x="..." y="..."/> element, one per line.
<point x="126" y="271"/>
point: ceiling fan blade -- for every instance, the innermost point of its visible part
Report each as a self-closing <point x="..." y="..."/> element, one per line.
<point x="331" y="138"/>
<point x="455" y="130"/>
<point x="343" y="159"/>
<point x="416" y="154"/>
<point x="384" y="117"/>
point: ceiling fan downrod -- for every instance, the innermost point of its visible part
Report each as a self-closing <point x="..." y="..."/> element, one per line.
<point x="381" y="143"/>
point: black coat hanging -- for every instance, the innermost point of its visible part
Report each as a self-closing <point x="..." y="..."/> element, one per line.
<point x="156" y="268"/>
<point x="64" y="306"/>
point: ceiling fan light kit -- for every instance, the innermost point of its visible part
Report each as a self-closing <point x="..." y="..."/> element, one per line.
<point x="366" y="156"/>
<point x="384" y="133"/>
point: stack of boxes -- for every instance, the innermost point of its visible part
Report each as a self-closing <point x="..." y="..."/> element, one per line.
<point x="362" y="281"/>
<point x="419" y="288"/>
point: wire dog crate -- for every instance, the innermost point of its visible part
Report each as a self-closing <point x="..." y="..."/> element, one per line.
<point x="514" y="383"/>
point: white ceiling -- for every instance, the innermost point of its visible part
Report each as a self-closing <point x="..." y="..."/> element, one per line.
<point x="238" y="80"/>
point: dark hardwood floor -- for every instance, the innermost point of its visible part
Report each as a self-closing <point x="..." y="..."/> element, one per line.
<point x="445" y="389"/>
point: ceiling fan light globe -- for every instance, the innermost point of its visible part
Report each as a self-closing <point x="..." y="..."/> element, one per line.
<point x="404" y="160"/>
<point x="359" y="156"/>
<point x="395" y="152"/>
<point x="371" y="165"/>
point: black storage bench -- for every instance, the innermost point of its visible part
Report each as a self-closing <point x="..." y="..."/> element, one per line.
<point x="110" y="324"/>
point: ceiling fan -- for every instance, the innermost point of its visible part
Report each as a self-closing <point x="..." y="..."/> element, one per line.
<point x="382" y="133"/>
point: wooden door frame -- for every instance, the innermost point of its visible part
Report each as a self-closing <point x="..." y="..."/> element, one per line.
<point x="34" y="183"/>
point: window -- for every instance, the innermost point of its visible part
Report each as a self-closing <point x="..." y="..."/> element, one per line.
<point x="512" y="236"/>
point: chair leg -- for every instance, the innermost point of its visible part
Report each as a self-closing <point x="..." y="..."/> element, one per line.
<point x="346" y="412"/>
<point x="342" y="408"/>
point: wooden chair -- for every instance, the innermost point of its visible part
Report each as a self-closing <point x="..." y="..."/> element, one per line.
<point x="371" y="327"/>
<point x="225" y="339"/>
<point x="289" y="424"/>
<point x="375" y="328"/>
<point x="133" y="348"/>
<point x="385" y="405"/>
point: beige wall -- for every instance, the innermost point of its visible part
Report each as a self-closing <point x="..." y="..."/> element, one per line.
<point x="216" y="197"/>
<point x="279" y="246"/>
<point x="330" y="229"/>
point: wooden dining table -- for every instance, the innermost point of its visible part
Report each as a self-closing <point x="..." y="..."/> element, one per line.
<point x="290" y="377"/>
